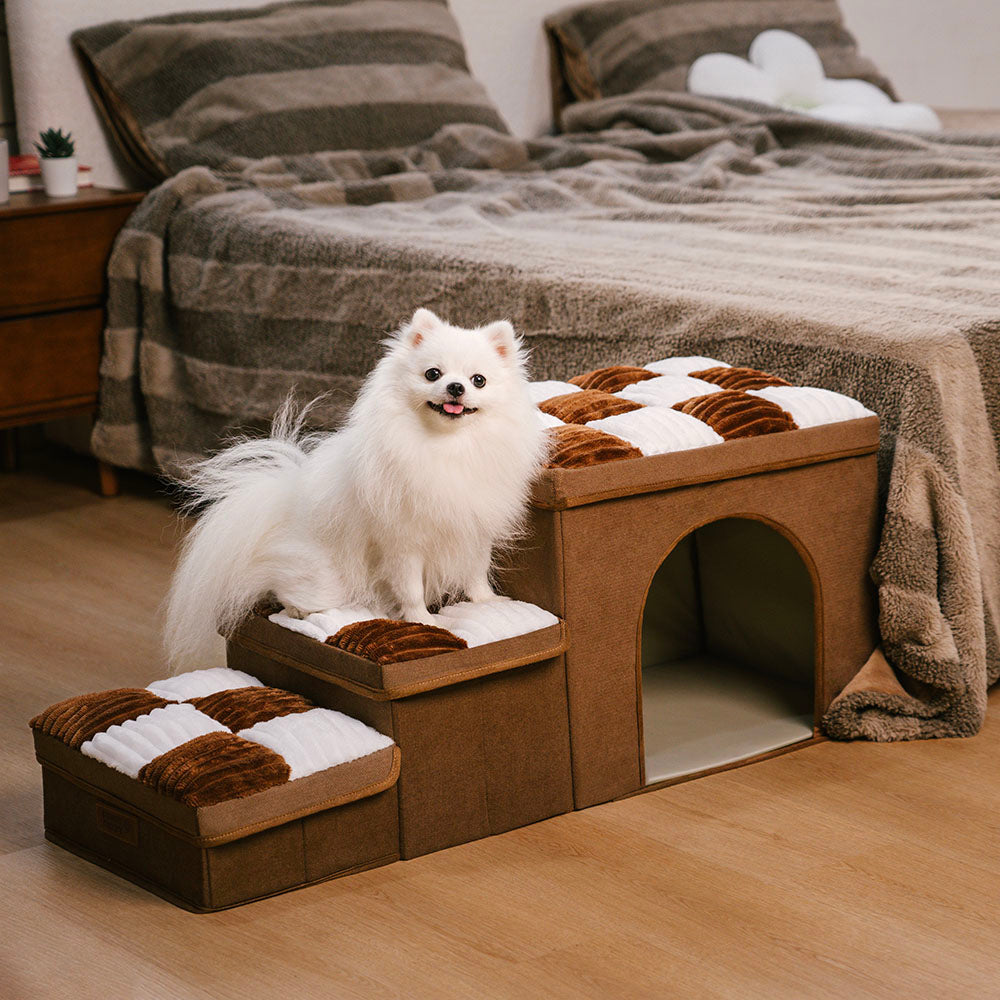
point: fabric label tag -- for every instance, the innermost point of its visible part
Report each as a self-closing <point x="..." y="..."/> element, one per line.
<point x="120" y="825"/>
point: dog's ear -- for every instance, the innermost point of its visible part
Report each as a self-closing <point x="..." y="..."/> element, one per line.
<point x="423" y="323"/>
<point x="503" y="338"/>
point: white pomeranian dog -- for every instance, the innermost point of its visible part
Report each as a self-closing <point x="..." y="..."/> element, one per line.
<point x="403" y="506"/>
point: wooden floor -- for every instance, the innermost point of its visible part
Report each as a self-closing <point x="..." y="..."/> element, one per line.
<point x="840" y="870"/>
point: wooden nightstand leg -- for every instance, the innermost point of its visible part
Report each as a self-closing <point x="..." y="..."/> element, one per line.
<point x="8" y="449"/>
<point x="108" y="474"/>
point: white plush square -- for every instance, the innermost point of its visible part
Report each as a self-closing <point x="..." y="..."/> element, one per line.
<point x="658" y="429"/>
<point x="684" y="366"/>
<point x="321" y="625"/>
<point x="665" y="390"/>
<point x="199" y="683"/>
<point x="133" y="744"/>
<point x="541" y="391"/>
<point x="547" y="420"/>
<point x="301" y="625"/>
<point x="490" y="621"/>
<point x="810" y="406"/>
<point x="315" y="740"/>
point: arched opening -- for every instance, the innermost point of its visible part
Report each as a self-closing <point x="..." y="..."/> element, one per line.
<point x="728" y="661"/>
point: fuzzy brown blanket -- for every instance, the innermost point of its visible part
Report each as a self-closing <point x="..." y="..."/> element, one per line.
<point x="865" y="262"/>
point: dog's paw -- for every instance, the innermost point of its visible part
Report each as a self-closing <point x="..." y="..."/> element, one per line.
<point x="484" y="592"/>
<point x="293" y="612"/>
<point x="420" y="615"/>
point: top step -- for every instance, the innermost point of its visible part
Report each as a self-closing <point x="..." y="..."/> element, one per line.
<point x="626" y="430"/>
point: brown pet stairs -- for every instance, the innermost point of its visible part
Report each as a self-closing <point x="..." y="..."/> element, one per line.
<point x="692" y="593"/>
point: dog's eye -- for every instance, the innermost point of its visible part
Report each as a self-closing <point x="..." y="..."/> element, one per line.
<point x="478" y="381"/>
<point x="432" y="374"/>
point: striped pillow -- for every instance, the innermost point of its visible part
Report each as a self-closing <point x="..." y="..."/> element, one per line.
<point x="288" y="78"/>
<point x="608" y="48"/>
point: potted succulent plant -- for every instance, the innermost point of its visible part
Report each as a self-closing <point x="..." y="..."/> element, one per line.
<point x="58" y="163"/>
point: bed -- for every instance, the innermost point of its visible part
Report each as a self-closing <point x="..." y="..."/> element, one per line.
<point x="656" y="223"/>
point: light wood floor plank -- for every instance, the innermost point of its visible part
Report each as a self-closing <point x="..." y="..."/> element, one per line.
<point x="839" y="870"/>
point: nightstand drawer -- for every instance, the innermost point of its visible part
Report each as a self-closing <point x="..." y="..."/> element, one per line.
<point x="56" y="259"/>
<point x="50" y="361"/>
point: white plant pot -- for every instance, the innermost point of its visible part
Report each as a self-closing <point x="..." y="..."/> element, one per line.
<point x="59" y="176"/>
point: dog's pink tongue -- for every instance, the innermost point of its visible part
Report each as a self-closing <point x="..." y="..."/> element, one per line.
<point x="453" y="407"/>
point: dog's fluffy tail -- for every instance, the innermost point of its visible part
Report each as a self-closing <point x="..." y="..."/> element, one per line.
<point x="242" y="493"/>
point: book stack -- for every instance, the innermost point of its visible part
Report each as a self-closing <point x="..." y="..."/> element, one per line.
<point x="26" y="174"/>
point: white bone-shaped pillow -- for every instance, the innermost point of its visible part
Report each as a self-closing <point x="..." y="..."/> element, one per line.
<point x="784" y="70"/>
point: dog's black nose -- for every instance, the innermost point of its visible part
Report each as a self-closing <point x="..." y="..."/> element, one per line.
<point x="455" y="389"/>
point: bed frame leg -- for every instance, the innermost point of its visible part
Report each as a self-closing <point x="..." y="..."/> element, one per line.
<point x="108" y="477"/>
<point x="8" y="449"/>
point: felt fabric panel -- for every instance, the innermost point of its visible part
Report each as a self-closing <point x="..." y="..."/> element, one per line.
<point x="612" y="378"/>
<point x="684" y="365"/>
<point x="734" y="414"/>
<point x="589" y="404"/>
<point x="199" y="683"/>
<point x="656" y="430"/>
<point x="215" y="768"/>
<point x="201" y="858"/>
<point x="739" y="379"/>
<point x="128" y="747"/>
<point x="828" y="507"/>
<point x="385" y="640"/>
<point x="811" y="406"/>
<point x="316" y="740"/>
<point x="511" y="734"/>
<point x="241" y="708"/>
<point x="76" y="720"/>
<point x="574" y="447"/>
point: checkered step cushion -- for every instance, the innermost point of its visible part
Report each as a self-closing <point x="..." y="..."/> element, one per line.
<point x="674" y="404"/>
<point x="456" y="626"/>
<point x="209" y="736"/>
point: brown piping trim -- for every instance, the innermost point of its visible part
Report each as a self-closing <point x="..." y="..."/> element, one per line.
<point x="806" y="741"/>
<point x="577" y="73"/>
<point x="819" y="665"/>
<point x="244" y="831"/>
<point x="677" y="482"/>
<point x="124" y="128"/>
<point x="123" y="871"/>
<point x="405" y="691"/>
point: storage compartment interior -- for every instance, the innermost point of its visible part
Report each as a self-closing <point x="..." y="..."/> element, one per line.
<point x="727" y="650"/>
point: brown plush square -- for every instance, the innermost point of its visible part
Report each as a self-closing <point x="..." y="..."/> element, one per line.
<point x="734" y="414"/>
<point x="384" y="640"/>
<point x="739" y="379"/>
<point x="76" y="720"/>
<point x="590" y="404"/>
<point x="215" y="768"/>
<point x="241" y="708"/>
<point x="574" y="447"/>
<point x="613" y="378"/>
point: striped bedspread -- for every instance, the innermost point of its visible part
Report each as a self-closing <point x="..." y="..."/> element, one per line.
<point x="862" y="262"/>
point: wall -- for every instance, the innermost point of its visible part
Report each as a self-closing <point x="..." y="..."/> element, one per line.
<point x="942" y="54"/>
<point x="6" y="92"/>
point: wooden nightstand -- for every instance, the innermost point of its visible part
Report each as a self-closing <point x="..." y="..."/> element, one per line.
<point x="53" y="255"/>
